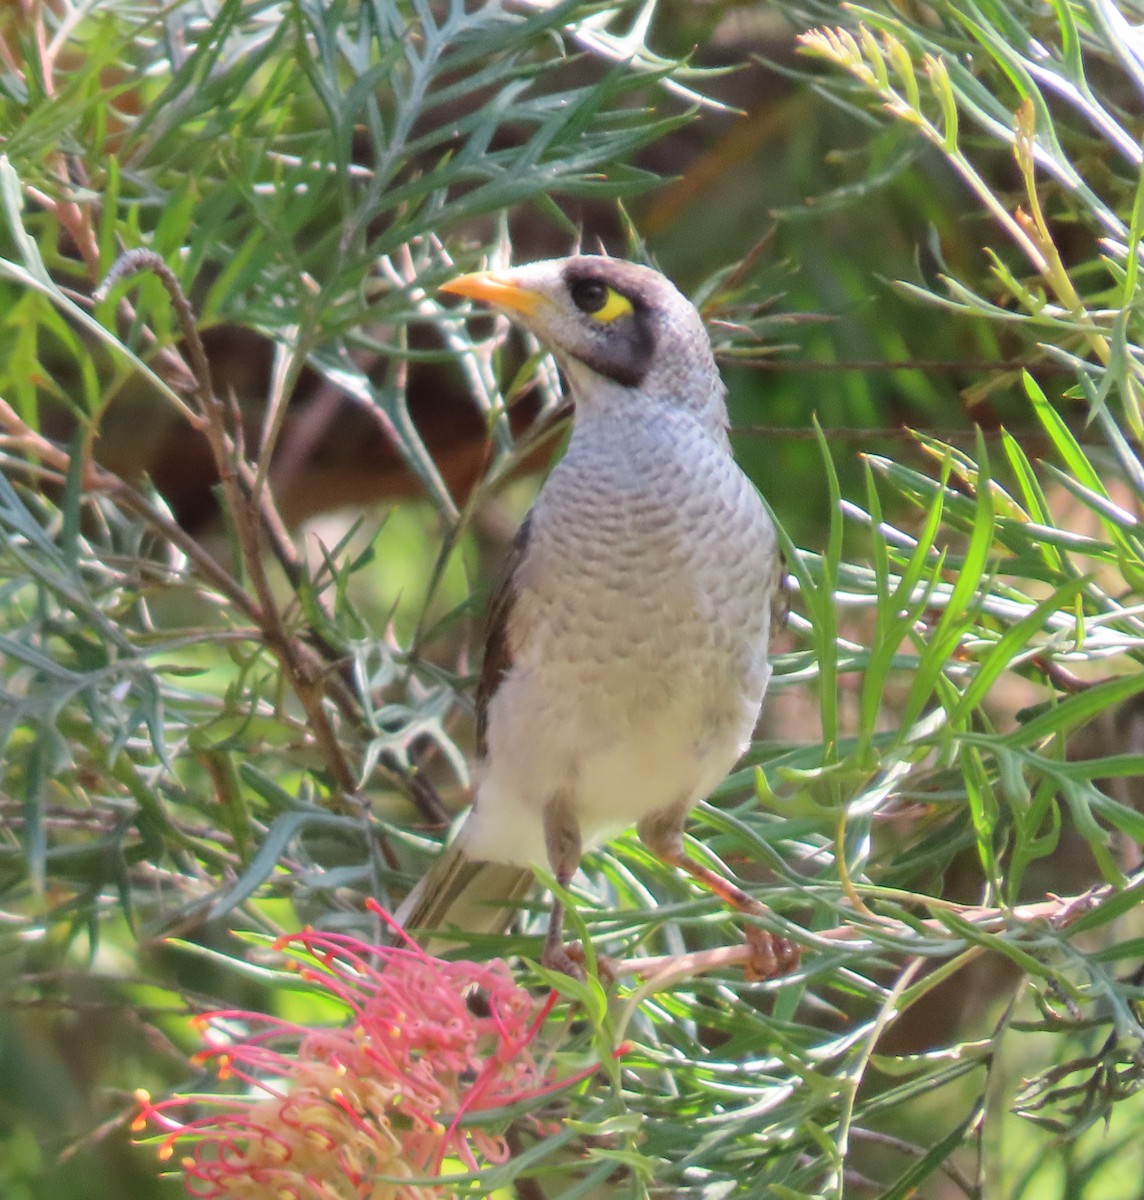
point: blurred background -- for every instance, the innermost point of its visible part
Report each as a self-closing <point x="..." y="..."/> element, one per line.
<point x="310" y="172"/>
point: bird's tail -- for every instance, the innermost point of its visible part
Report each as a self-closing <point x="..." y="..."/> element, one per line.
<point x="463" y="894"/>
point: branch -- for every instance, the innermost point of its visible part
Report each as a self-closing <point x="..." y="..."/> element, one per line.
<point x="1059" y="911"/>
<point x="97" y="480"/>
<point x="299" y="663"/>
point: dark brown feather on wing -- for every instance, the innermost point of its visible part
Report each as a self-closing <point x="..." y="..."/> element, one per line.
<point x="498" y="653"/>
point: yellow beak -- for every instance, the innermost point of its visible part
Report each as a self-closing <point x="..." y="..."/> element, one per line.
<point x="495" y="289"/>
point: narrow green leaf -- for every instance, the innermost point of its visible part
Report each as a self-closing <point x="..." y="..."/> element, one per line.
<point x="1005" y="650"/>
<point x="905" y="1186"/>
<point x="72" y="503"/>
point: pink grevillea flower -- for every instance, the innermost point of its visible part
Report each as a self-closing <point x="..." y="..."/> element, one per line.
<point x="362" y="1110"/>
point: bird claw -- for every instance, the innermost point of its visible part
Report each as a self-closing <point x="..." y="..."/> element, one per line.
<point x="570" y="960"/>
<point x="770" y="955"/>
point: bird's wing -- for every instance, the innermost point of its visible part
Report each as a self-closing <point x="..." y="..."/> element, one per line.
<point x="498" y="653"/>
<point x="459" y="892"/>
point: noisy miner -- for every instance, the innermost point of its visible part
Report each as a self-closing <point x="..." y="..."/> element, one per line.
<point x="626" y="660"/>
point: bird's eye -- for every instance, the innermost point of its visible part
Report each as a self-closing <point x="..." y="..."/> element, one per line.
<point x="598" y="300"/>
<point x="589" y="295"/>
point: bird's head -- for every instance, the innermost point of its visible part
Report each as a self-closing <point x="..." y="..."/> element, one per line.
<point x="614" y="327"/>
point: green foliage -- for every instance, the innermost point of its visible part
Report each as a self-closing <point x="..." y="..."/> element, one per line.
<point x="220" y="735"/>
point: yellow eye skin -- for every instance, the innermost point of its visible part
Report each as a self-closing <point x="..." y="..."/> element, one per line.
<point x="615" y="306"/>
<point x="596" y="299"/>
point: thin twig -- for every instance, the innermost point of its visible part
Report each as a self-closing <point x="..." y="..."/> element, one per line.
<point x="864" y="366"/>
<point x="1059" y="911"/>
<point x="1060" y="677"/>
<point x="315" y="668"/>
<point x="98" y="480"/>
<point x="139" y="260"/>
<point x="897" y="433"/>
<point x="303" y="669"/>
<point x="903" y="1147"/>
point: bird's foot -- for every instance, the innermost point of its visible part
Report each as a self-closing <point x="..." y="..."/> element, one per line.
<point x="770" y="955"/>
<point x="570" y="960"/>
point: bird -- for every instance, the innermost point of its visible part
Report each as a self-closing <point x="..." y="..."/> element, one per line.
<point x="627" y="646"/>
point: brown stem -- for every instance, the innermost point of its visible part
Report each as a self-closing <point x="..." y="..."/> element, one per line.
<point x="304" y="672"/>
<point x="1060" y="677"/>
<point x="306" y="661"/>
<point x="1059" y="911"/>
<point x="99" y="481"/>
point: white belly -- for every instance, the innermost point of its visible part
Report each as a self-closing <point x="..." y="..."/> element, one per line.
<point x="613" y="761"/>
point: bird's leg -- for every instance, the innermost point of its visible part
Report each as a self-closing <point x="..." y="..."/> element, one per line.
<point x="771" y="954"/>
<point x="562" y="841"/>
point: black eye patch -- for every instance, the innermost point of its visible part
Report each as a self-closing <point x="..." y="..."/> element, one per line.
<point x="620" y="340"/>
